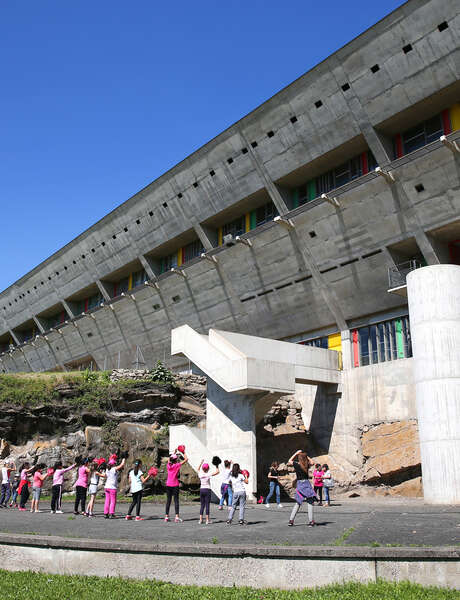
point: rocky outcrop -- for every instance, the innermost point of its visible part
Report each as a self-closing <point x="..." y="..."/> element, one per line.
<point x="391" y="451"/>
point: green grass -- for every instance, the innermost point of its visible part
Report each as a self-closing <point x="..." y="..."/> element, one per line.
<point x="93" y="390"/>
<point x="25" y="585"/>
<point x="340" y="541"/>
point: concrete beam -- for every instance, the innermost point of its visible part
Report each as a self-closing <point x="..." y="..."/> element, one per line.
<point x="271" y="188"/>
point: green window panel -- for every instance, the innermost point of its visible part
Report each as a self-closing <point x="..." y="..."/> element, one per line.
<point x="399" y="339"/>
<point x="311" y="190"/>
<point x="295" y="198"/>
<point x="253" y="219"/>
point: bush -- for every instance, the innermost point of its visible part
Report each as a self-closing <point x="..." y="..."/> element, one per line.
<point x="161" y="374"/>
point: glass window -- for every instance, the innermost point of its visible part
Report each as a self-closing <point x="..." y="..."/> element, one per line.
<point x="139" y="277"/>
<point x="382" y="342"/>
<point x="168" y="262"/>
<point x="433" y="129"/>
<point x="363" y="336"/>
<point x="193" y="250"/>
<point x="373" y="344"/>
<point x="265" y="213"/>
<point x="422" y="134"/>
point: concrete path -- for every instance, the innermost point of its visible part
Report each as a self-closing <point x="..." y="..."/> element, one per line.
<point x="348" y="522"/>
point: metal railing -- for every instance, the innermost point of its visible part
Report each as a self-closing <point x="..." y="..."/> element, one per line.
<point x="398" y="273"/>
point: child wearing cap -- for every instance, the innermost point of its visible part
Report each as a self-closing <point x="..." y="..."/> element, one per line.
<point x="172" y="483"/>
<point x="111" y="486"/>
<point x="205" y="489"/>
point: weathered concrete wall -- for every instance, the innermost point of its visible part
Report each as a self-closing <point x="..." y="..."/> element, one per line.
<point x="278" y="567"/>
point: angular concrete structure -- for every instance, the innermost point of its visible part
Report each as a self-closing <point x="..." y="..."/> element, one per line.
<point x="246" y="375"/>
<point x="434" y="305"/>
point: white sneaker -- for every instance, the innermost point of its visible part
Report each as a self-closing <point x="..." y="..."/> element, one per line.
<point x="59" y="512"/>
<point x="280" y="506"/>
<point x="267" y="506"/>
<point x="52" y="512"/>
<point x="39" y="511"/>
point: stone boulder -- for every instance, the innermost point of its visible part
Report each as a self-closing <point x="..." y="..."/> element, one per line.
<point x="389" y="449"/>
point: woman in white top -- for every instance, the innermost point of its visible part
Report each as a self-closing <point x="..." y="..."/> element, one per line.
<point x="111" y="486"/>
<point x="205" y="489"/>
<point x="136" y="482"/>
<point x="237" y="481"/>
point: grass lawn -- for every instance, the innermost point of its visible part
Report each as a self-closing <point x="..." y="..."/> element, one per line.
<point x="22" y="585"/>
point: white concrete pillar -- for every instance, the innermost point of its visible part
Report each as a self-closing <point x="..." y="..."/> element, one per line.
<point x="434" y="312"/>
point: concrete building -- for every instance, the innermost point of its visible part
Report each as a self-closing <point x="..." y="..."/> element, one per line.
<point x="111" y="296"/>
<point x="293" y="224"/>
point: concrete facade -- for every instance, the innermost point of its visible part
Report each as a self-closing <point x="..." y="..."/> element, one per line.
<point x="434" y="304"/>
<point x="325" y="272"/>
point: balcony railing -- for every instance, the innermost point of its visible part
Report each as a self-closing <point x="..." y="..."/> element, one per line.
<point x="398" y="273"/>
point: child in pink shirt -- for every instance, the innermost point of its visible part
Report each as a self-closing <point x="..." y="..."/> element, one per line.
<point x="81" y="486"/>
<point x="318" y="482"/>
<point x="172" y="484"/>
<point x="37" y="483"/>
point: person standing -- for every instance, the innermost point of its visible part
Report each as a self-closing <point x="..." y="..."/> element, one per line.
<point x="328" y="483"/>
<point x="81" y="486"/>
<point x="23" y="489"/>
<point x="37" y="484"/>
<point x="318" y="482"/>
<point x="97" y="470"/>
<point x="226" y="488"/>
<point x="14" y="483"/>
<point x="136" y="482"/>
<point x="274" y="486"/>
<point x="237" y="481"/>
<point x="205" y="489"/>
<point x="173" y="468"/>
<point x="6" y="487"/>
<point x="56" y="488"/>
<point x="111" y="486"/>
<point x="304" y="490"/>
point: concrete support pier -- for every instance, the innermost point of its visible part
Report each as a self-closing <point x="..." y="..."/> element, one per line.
<point x="434" y="309"/>
<point x="246" y="375"/>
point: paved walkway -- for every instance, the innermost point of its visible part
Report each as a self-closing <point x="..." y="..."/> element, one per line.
<point x="348" y="522"/>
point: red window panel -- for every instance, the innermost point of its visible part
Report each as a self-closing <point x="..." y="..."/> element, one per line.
<point x="446" y="121"/>
<point x="364" y="163"/>
<point x="354" y="338"/>
<point x="398" y="145"/>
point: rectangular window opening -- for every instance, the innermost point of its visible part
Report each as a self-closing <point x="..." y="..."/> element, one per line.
<point x="375" y="68"/>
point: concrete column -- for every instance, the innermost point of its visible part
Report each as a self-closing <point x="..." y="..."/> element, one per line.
<point x="434" y="311"/>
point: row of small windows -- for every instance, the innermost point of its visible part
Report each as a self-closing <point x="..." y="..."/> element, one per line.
<point x="427" y="131"/>
<point x="181" y="256"/>
<point x="381" y="342"/>
<point x="344" y="173"/>
<point x="389" y="340"/>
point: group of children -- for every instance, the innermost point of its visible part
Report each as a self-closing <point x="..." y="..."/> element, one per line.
<point x="91" y="472"/>
<point x="89" y="475"/>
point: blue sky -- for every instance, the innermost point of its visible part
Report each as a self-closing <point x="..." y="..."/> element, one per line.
<point x="100" y="98"/>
